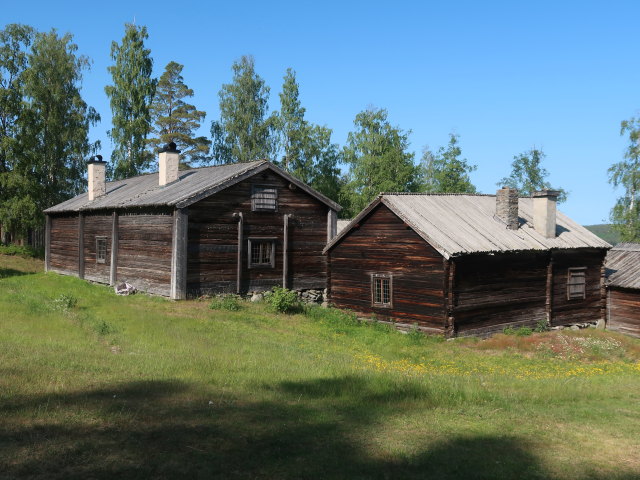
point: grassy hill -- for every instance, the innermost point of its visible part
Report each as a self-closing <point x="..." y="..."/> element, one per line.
<point x="606" y="232"/>
<point x="98" y="386"/>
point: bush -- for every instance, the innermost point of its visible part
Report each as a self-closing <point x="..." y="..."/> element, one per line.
<point x="65" y="302"/>
<point x="283" y="300"/>
<point x="520" y="332"/>
<point x="226" y="302"/>
<point x="541" y="326"/>
<point x="22" y="251"/>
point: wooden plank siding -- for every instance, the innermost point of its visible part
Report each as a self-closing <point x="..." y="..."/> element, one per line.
<point x="144" y="251"/>
<point x="624" y="311"/>
<point x="383" y="244"/>
<point x="96" y="225"/>
<point x="64" y="244"/>
<point x="212" y="265"/>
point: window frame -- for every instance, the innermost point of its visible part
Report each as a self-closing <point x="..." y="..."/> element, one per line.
<point x="99" y="259"/>
<point x="381" y="277"/>
<point x="254" y="191"/>
<point x="571" y="274"/>
<point x="251" y="241"/>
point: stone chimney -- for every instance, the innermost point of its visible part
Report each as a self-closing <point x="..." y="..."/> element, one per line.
<point x="96" y="176"/>
<point x="169" y="161"/>
<point x="507" y="207"/>
<point x="544" y="212"/>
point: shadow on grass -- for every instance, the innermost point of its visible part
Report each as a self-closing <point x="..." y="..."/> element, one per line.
<point x="10" y="272"/>
<point x="157" y="429"/>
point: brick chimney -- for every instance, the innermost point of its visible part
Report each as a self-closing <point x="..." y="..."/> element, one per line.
<point x="507" y="207"/>
<point x="169" y="160"/>
<point x="544" y="212"/>
<point x="96" y="176"/>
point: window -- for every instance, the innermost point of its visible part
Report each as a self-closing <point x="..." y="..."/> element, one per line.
<point x="576" y="284"/>
<point x="381" y="290"/>
<point x="101" y="249"/>
<point x="264" y="198"/>
<point x="262" y="252"/>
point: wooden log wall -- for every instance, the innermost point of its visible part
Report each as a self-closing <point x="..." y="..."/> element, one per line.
<point x="96" y="225"/>
<point x="492" y="292"/>
<point x="64" y="244"/>
<point x="385" y="244"/>
<point x="144" y="251"/>
<point x="212" y="265"/>
<point x="566" y="311"/>
<point x="624" y="311"/>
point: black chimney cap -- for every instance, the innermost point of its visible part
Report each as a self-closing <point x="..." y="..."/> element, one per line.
<point x="96" y="159"/>
<point x="169" y="148"/>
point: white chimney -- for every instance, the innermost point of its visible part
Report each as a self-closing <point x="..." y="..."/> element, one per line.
<point x="168" y="163"/>
<point x="544" y="212"/>
<point x="96" y="176"/>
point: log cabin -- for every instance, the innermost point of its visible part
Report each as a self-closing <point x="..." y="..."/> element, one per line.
<point x="623" y="289"/>
<point x="181" y="233"/>
<point x="458" y="264"/>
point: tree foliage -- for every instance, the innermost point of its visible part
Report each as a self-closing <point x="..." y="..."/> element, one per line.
<point x="528" y="176"/>
<point x="307" y="150"/>
<point x="244" y="132"/>
<point x="625" y="214"/>
<point x="174" y="120"/>
<point x="130" y="97"/>
<point x="48" y="140"/>
<point x="445" y="171"/>
<point x="378" y="160"/>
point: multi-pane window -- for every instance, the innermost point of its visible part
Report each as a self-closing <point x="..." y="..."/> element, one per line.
<point x="101" y="249"/>
<point x="576" y="284"/>
<point x="264" y="198"/>
<point x="262" y="252"/>
<point x="381" y="290"/>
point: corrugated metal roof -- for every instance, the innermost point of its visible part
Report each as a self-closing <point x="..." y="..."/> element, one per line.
<point x="191" y="186"/>
<point x="623" y="266"/>
<point x="460" y="224"/>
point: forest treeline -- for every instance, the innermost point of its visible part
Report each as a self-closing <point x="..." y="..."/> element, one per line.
<point x="44" y="134"/>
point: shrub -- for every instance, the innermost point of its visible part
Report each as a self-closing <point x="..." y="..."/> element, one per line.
<point x="103" y="328"/>
<point x="283" y="300"/>
<point x="226" y="302"/>
<point x="520" y="332"/>
<point x="22" y="251"/>
<point x="541" y="326"/>
<point x="65" y="302"/>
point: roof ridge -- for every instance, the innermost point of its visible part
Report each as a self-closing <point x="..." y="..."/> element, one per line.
<point x="427" y="194"/>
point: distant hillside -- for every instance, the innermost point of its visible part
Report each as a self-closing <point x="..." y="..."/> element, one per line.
<point x="605" y="232"/>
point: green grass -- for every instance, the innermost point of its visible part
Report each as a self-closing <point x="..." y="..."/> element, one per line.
<point x="93" y="385"/>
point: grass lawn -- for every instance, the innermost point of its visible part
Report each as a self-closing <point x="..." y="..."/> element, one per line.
<point x="98" y="386"/>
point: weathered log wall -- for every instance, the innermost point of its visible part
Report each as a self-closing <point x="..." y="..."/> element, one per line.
<point x="64" y="244"/>
<point x="624" y="311"/>
<point x="384" y="244"/>
<point x="213" y="239"/>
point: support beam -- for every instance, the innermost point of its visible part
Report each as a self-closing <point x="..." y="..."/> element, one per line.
<point x="332" y="224"/>
<point x="179" y="254"/>
<point x="47" y="244"/>
<point x="240" y="218"/>
<point x="81" y="245"/>
<point x="450" y="329"/>
<point x="113" y="268"/>
<point x="549" y="293"/>
<point x="285" y="251"/>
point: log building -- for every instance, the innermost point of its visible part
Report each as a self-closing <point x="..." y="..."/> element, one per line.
<point x="232" y="228"/>
<point x="623" y="289"/>
<point x="468" y="264"/>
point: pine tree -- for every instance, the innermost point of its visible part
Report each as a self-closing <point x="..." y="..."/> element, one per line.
<point x="174" y="120"/>
<point x="244" y="132"/>
<point x="445" y="171"/>
<point x="130" y="96"/>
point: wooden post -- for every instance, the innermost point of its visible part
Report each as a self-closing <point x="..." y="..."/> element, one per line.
<point x="603" y="294"/>
<point x="81" y="245"/>
<point x="179" y="254"/>
<point x="332" y="224"/>
<point x="240" y="218"/>
<point x="47" y="244"/>
<point x="113" y="268"/>
<point x="549" y="293"/>
<point x="285" y="251"/>
<point x="450" y="299"/>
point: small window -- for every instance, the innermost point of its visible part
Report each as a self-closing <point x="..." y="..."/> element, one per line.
<point x="576" y="284"/>
<point x="101" y="249"/>
<point x="381" y="290"/>
<point x="264" y="198"/>
<point x="262" y="252"/>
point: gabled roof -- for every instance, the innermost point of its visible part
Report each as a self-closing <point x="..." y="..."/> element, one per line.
<point x="623" y="266"/>
<point x="459" y="224"/>
<point x="192" y="185"/>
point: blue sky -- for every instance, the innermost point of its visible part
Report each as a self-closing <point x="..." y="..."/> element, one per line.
<point x="505" y="76"/>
